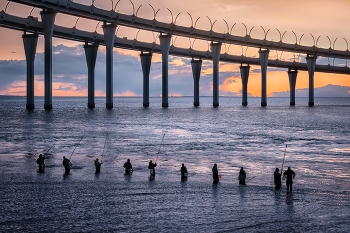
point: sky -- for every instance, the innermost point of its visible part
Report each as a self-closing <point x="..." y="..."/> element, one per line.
<point x="316" y="18"/>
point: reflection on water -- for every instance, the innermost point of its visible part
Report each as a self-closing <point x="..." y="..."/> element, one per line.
<point x="289" y="199"/>
<point x="242" y="190"/>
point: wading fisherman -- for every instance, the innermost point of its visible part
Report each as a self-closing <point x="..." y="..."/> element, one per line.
<point x="277" y="179"/>
<point x="66" y="163"/>
<point x="98" y="166"/>
<point x="183" y="172"/>
<point x="151" y="167"/>
<point x="290" y="176"/>
<point x="215" y="174"/>
<point x="128" y="167"/>
<point x="41" y="162"/>
<point x="242" y="176"/>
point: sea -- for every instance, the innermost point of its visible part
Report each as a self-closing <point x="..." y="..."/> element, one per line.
<point x="313" y="141"/>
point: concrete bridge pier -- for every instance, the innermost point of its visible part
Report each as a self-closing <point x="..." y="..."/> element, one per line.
<point x="196" y="71"/>
<point x="264" y="59"/>
<point x="48" y="20"/>
<point x="311" y="63"/>
<point x="109" y="36"/>
<point x="165" y="47"/>
<point x="30" y="42"/>
<point x="215" y="48"/>
<point x="292" y="74"/>
<point x="244" y="77"/>
<point x="91" y="54"/>
<point x="146" y="61"/>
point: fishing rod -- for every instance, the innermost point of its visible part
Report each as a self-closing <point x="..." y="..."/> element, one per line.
<point x="285" y="150"/>
<point x="104" y="148"/>
<point x="160" y="147"/>
<point x="76" y="147"/>
<point x="54" y="143"/>
<point x="250" y="178"/>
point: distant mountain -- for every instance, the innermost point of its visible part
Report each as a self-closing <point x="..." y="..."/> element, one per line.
<point x="325" y="91"/>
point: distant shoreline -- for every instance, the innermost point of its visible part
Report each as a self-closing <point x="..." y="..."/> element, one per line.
<point x="283" y="97"/>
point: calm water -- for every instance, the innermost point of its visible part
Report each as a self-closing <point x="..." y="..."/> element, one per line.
<point x="231" y="136"/>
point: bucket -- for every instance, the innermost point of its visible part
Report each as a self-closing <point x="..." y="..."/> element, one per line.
<point x="151" y="171"/>
<point x="185" y="174"/>
<point x="219" y="176"/>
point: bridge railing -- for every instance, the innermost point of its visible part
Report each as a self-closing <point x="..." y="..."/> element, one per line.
<point x="111" y="16"/>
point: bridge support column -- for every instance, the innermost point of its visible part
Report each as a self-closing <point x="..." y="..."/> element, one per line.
<point x="109" y="36"/>
<point x="48" y="19"/>
<point x="30" y="42"/>
<point x="311" y="63"/>
<point x="292" y="74"/>
<point x="264" y="59"/>
<point x="215" y="48"/>
<point x="196" y="71"/>
<point x="91" y="54"/>
<point x="165" y="47"/>
<point x="146" y="61"/>
<point x="244" y="77"/>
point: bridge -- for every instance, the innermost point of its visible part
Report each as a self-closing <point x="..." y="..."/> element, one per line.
<point x="32" y="27"/>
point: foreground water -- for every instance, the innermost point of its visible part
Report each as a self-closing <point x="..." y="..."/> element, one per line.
<point x="231" y="136"/>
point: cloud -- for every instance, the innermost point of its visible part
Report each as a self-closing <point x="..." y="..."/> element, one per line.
<point x="330" y="61"/>
<point x="69" y="67"/>
<point x="70" y="76"/>
<point x="9" y="70"/>
<point x="269" y="69"/>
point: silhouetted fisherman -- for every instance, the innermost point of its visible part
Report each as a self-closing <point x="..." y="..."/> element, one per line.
<point x="128" y="167"/>
<point x="67" y="164"/>
<point x="151" y="167"/>
<point x="41" y="162"/>
<point x="290" y="176"/>
<point x="242" y="176"/>
<point x="183" y="172"/>
<point x="215" y="174"/>
<point x="98" y="166"/>
<point x="277" y="178"/>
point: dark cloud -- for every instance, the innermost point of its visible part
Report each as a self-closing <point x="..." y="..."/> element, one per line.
<point x="326" y="61"/>
<point x="12" y="70"/>
<point x="329" y="61"/>
<point x="269" y="69"/>
<point x="69" y="66"/>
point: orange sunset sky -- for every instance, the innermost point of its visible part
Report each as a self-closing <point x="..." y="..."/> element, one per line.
<point x="319" y="17"/>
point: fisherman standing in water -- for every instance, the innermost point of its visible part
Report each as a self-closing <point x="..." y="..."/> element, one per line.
<point x="215" y="174"/>
<point x="290" y="176"/>
<point x="98" y="166"/>
<point x="66" y="163"/>
<point x="41" y="162"/>
<point x="277" y="179"/>
<point x="183" y="172"/>
<point x="151" y="167"/>
<point x="128" y="167"/>
<point x="242" y="176"/>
